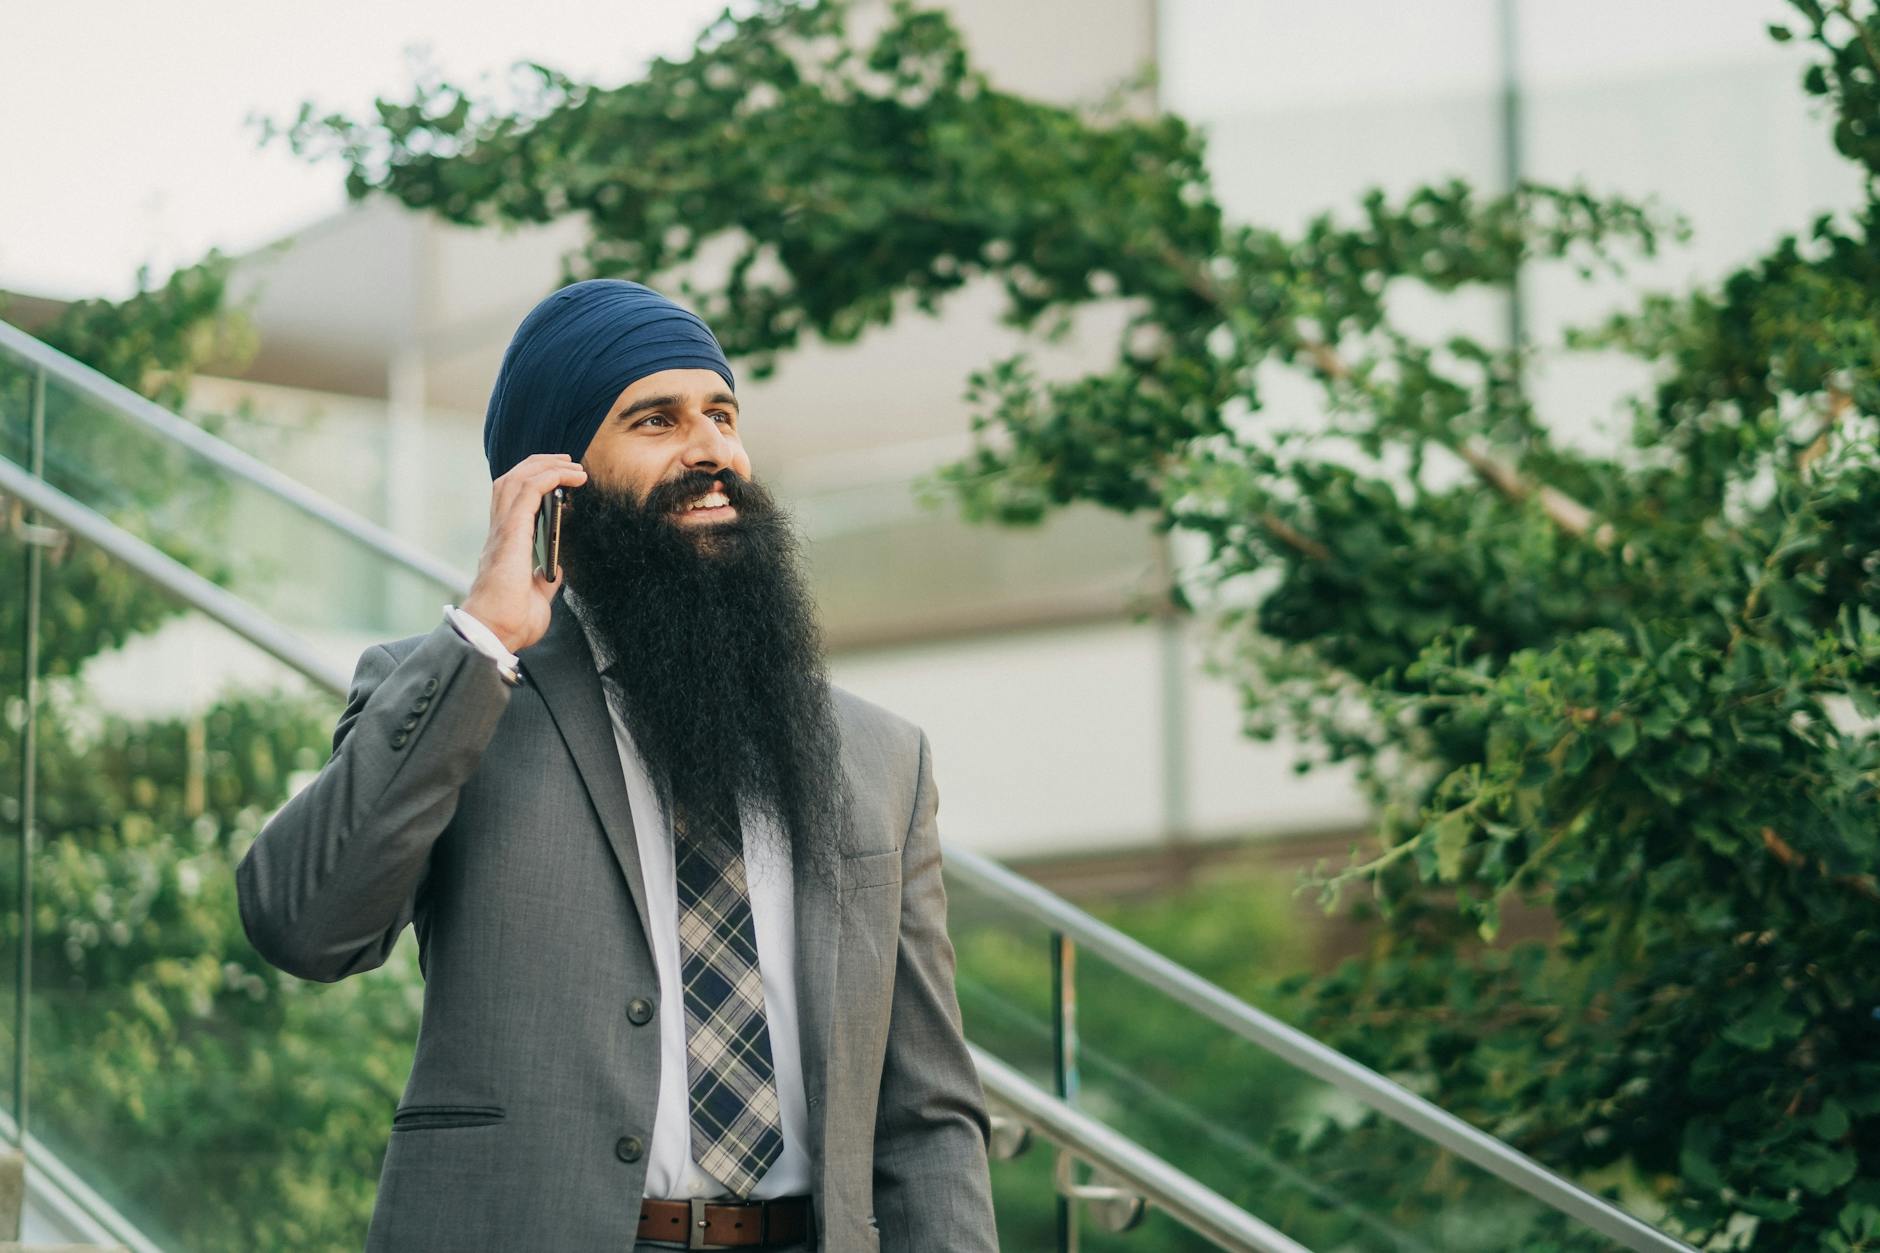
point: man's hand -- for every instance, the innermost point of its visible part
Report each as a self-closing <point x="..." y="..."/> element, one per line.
<point x="509" y="595"/>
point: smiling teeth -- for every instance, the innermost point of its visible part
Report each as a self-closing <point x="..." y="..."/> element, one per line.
<point x="711" y="500"/>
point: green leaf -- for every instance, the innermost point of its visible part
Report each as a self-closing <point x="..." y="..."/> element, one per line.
<point x="1658" y="722"/>
<point x="1859" y="1226"/>
<point x="1693" y="759"/>
<point x="1866" y="701"/>
<point x="1766" y="1024"/>
<point x="1450" y="837"/>
<point x="1819" y="1168"/>
<point x="1701" y="1157"/>
<point x="1831" y="1121"/>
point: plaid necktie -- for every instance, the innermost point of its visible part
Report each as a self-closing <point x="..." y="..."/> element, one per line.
<point x="737" y="1130"/>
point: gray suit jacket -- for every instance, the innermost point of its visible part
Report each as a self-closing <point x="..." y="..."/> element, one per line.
<point x="496" y="820"/>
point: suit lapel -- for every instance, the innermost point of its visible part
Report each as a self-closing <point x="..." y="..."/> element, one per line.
<point x="819" y="909"/>
<point x="818" y="937"/>
<point x="561" y="667"/>
<point x="818" y="913"/>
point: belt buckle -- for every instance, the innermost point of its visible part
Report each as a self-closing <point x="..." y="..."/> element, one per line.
<point x="695" y="1236"/>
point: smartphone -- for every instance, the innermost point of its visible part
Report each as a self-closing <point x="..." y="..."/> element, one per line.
<point x="548" y="533"/>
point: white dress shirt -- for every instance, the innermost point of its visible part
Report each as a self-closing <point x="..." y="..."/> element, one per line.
<point x="671" y="1173"/>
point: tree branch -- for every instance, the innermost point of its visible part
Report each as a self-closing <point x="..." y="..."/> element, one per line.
<point x="1784" y="852"/>
<point x="1566" y="513"/>
<point x="1293" y="538"/>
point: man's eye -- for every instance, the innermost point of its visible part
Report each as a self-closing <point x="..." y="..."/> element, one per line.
<point x="657" y="417"/>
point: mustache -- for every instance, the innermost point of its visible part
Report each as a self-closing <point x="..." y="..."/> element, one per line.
<point x="663" y="498"/>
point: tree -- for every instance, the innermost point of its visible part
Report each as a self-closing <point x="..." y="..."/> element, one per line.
<point x="1636" y="688"/>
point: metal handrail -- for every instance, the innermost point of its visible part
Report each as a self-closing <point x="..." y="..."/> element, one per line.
<point x="1185" y="1199"/>
<point x="122" y="400"/>
<point x="173" y="577"/>
<point x="1429" y="1121"/>
<point x="69" y="1199"/>
<point x="1207" y="1133"/>
<point x="1393" y="1101"/>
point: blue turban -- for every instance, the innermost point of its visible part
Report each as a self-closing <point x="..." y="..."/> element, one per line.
<point x="575" y="353"/>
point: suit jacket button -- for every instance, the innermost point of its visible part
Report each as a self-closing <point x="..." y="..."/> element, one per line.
<point x="398" y="741"/>
<point x="640" y="1011"/>
<point x="421" y="704"/>
<point x="628" y="1148"/>
<point x="411" y="720"/>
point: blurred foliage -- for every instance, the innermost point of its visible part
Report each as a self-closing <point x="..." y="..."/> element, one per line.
<point x="1635" y="686"/>
<point x="220" y="1104"/>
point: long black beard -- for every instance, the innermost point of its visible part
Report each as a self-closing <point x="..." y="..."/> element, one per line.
<point x="720" y="675"/>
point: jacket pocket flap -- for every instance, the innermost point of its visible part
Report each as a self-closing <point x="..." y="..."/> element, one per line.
<point x="870" y="869"/>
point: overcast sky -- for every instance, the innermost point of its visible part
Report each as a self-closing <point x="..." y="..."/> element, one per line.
<point x="123" y="131"/>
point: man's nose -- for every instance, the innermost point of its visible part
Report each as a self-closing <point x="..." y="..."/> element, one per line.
<point x="706" y="447"/>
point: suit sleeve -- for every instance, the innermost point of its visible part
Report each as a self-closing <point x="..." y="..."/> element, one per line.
<point x="933" y="1190"/>
<point x="333" y="877"/>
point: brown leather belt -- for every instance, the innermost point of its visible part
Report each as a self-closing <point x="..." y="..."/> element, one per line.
<point x="703" y="1224"/>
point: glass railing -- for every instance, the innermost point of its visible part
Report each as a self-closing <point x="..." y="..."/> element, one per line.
<point x="208" y="1099"/>
<point x="221" y="1104"/>
<point x="1331" y="1155"/>
<point x="261" y="536"/>
<point x="1292" y="1148"/>
<point x="214" y="1102"/>
<point x="211" y="1100"/>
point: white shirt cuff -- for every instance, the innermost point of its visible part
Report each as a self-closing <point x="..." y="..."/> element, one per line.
<point x="482" y="639"/>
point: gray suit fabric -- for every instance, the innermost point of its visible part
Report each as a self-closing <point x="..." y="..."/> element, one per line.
<point x="499" y="826"/>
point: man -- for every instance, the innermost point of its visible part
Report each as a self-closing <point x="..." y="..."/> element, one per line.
<point x="678" y="899"/>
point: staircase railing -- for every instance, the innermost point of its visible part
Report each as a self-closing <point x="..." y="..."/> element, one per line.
<point x="1060" y="1117"/>
<point x="1186" y="1200"/>
<point x="110" y="394"/>
<point x="1072" y="928"/>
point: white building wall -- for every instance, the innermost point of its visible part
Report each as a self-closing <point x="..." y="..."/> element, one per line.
<point x="1051" y="743"/>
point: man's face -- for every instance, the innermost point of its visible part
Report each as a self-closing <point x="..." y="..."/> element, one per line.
<point x="664" y="426"/>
